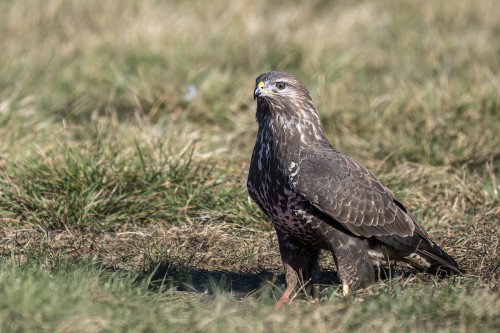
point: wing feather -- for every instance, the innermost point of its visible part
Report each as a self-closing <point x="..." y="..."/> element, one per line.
<point x="342" y="189"/>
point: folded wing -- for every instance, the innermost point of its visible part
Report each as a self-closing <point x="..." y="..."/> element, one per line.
<point x="352" y="196"/>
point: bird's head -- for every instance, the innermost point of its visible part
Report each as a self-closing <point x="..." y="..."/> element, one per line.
<point x="280" y="96"/>
<point x="279" y="87"/>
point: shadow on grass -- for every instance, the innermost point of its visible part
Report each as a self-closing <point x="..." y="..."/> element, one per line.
<point x="185" y="278"/>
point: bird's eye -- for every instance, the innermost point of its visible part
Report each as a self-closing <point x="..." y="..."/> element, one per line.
<point x="280" y="85"/>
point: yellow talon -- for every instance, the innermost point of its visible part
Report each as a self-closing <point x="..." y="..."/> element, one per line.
<point x="345" y="289"/>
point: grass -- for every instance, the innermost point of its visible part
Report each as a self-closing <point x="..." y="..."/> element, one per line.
<point x="89" y="297"/>
<point x="127" y="129"/>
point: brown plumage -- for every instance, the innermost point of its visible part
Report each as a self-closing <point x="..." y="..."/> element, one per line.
<point x="318" y="198"/>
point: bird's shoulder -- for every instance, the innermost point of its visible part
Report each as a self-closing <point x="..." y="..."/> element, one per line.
<point x="330" y="165"/>
<point x="347" y="192"/>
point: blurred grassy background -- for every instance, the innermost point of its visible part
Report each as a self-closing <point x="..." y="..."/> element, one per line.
<point x="127" y="128"/>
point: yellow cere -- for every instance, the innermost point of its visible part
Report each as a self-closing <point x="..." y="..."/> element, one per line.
<point x="262" y="85"/>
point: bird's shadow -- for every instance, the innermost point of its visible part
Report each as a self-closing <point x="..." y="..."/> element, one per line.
<point x="178" y="277"/>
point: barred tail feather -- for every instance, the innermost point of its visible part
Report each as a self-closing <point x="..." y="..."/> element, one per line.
<point x="438" y="259"/>
<point x="420" y="253"/>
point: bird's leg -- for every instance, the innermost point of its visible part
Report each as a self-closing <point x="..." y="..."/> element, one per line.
<point x="350" y="253"/>
<point x="292" y="279"/>
<point x="300" y="264"/>
<point x="354" y="272"/>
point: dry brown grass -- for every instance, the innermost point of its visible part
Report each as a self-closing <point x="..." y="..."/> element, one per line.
<point x="224" y="247"/>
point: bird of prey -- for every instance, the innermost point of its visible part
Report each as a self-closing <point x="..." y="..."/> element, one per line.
<point x="318" y="198"/>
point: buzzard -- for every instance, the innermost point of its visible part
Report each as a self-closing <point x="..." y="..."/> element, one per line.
<point x="318" y="198"/>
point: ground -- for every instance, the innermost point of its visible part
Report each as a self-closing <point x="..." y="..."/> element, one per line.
<point x="127" y="129"/>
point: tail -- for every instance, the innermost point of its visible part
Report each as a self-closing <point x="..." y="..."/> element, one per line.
<point x="436" y="259"/>
<point x="421" y="253"/>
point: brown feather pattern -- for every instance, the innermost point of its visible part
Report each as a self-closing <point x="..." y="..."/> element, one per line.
<point x="318" y="198"/>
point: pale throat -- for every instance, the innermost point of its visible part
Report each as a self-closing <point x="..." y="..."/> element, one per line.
<point x="283" y="135"/>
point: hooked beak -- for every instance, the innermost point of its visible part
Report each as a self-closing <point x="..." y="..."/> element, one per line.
<point x="259" y="90"/>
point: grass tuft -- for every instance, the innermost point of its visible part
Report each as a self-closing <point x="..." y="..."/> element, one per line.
<point x="98" y="186"/>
